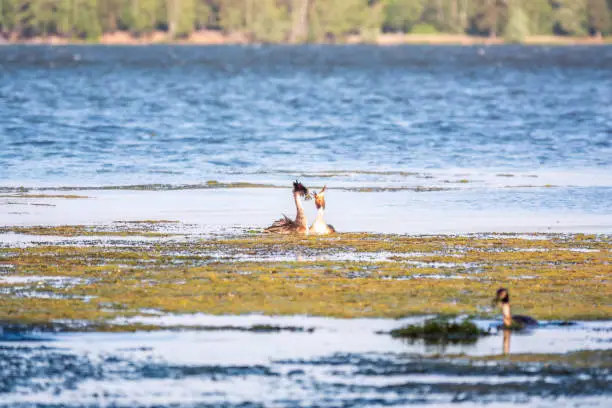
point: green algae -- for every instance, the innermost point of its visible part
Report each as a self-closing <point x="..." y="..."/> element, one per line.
<point x="65" y="196"/>
<point x="441" y="330"/>
<point x="577" y="359"/>
<point x="332" y="173"/>
<point x="210" y="184"/>
<point x="148" y="222"/>
<point x="532" y="186"/>
<point x="545" y="273"/>
<point x="79" y="230"/>
<point x="416" y="189"/>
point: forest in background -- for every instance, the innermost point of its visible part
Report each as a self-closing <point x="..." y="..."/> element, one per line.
<point x="298" y="21"/>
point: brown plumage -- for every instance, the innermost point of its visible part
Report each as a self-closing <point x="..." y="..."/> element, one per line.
<point x="287" y="226"/>
<point x="319" y="227"/>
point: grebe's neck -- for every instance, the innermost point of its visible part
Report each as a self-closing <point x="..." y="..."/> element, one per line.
<point x="320" y="216"/>
<point x="507" y="315"/>
<point x="300" y="217"/>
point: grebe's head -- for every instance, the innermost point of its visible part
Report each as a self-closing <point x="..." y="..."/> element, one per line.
<point x="320" y="198"/>
<point x="502" y="296"/>
<point x="301" y="190"/>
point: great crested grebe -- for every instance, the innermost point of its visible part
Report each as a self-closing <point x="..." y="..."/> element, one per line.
<point x="300" y="225"/>
<point x="319" y="227"/>
<point x="502" y="297"/>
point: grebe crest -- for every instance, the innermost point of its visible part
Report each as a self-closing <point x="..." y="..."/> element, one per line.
<point x="301" y="189"/>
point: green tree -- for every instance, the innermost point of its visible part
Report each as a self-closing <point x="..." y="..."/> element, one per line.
<point x="489" y="16"/>
<point x="142" y="16"/>
<point x="540" y="15"/>
<point x="29" y="17"/>
<point x="79" y="18"/>
<point x="234" y="15"/>
<point x="599" y="17"/>
<point x="372" y="23"/>
<point x="270" y="22"/>
<point x="455" y="14"/>
<point x="23" y="17"/>
<point x="109" y="12"/>
<point x="261" y="20"/>
<point x="571" y="17"/>
<point x="203" y="13"/>
<point x="180" y="17"/>
<point x="401" y="15"/>
<point x="333" y="19"/>
<point x="518" y="23"/>
<point x="6" y="17"/>
<point x="439" y="14"/>
<point x="299" y="20"/>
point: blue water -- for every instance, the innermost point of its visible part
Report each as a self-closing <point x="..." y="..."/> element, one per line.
<point x="96" y="115"/>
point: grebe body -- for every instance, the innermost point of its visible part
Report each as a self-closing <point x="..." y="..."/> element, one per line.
<point x="502" y="297"/>
<point x="298" y="226"/>
<point x="320" y="227"/>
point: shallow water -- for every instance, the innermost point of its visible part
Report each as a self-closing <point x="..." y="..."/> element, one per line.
<point x="497" y="126"/>
<point x="178" y="114"/>
<point x="411" y="140"/>
<point x="227" y="211"/>
<point x="341" y="363"/>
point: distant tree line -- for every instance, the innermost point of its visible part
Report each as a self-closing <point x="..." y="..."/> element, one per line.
<point x="305" y="20"/>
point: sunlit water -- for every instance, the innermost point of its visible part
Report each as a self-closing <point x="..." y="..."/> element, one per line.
<point x="83" y="114"/>
<point x="417" y="140"/>
<point x="519" y="136"/>
<point x="341" y="363"/>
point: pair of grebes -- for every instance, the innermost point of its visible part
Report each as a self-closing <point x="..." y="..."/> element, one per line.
<point x="300" y="226"/>
<point x="286" y="225"/>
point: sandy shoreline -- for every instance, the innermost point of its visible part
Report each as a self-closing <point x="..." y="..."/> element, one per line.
<point x="210" y="37"/>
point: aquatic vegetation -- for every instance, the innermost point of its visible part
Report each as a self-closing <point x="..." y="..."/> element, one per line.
<point x="23" y="195"/>
<point x="148" y="222"/>
<point x="577" y="359"/>
<point x="211" y="184"/>
<point x="260" y="273"/>
<point x="83" y="230"/>
<point x="440" y="330"/>
<point x="258" y="328"/>
<point x="531" y="186"/>
<point x="417" y="189"/>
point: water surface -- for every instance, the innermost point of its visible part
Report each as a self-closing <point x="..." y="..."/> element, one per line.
<point x="342" y="363"/>
<point x="417" y="140"/>
<point x="107" y="115"/>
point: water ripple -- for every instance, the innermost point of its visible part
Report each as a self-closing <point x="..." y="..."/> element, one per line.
<point x="208" y="109"/>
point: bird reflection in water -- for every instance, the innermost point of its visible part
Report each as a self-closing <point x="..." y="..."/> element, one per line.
<point x="507" y="334"/>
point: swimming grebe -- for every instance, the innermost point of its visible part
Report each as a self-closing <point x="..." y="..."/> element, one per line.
<point x="319" y="227"/>
<point x="300" y="225"/>
<point x="502" y="297"/>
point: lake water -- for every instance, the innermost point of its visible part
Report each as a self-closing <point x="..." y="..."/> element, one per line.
<point x="416" y="140"/>
<point x="343" y="363"/>
<point x="519" y="137"/>
<point x="172" y="114"/>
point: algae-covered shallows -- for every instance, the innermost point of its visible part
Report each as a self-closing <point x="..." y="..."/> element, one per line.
<point x="427" y="275"/>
